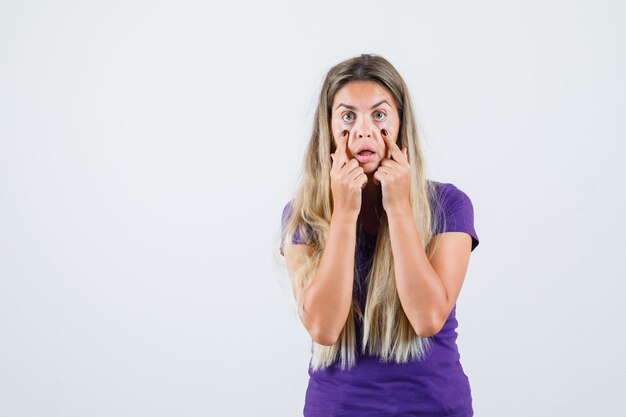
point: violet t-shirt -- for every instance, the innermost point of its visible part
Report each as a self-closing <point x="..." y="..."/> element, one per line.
<point x="434" y="386"/>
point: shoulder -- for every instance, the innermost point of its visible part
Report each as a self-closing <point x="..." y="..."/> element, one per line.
<point x="301" y="235"/>
<point x="448" y="191"/>
<point x="454" y="210"/>
<point x="287" y="210"/>
<point x="454" y="196"/>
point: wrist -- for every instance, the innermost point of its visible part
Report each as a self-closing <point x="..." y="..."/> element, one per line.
<point x="403" y="209"/>
<point x="344" y="218"/>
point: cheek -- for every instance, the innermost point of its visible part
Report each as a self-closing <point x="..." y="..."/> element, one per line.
<point x="386" y="151"/>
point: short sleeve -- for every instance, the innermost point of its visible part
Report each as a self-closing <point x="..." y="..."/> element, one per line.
<point x="297" y="239"/>
<point x="459" y="212"/>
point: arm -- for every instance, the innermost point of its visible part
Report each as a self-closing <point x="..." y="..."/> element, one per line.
<point x="327" y="299"/>
<point x="427" y="289"/>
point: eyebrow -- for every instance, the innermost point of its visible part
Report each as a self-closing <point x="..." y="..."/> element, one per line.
<point x="354" y="108"/>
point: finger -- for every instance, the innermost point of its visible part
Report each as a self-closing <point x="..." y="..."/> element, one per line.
<point x="352" y="168"/>
<point x="393" y="148"/>
<point x="390" y="163"/>
<point x="385" y="135"/>
<point x="341" y="148"/>
<point x="346" y="148"/>
<point x="375" y="180"/>
<point x="384" y="169"/>
<point x="341" y="143"/>
<point x="364" y="183"/>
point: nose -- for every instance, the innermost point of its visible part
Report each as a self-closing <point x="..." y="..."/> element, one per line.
<point x="364" y="130"/>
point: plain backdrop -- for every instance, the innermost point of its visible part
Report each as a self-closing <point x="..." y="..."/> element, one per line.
<point x="147" y="150"/>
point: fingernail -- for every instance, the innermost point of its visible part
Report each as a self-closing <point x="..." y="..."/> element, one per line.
<point x="384" y="132"/>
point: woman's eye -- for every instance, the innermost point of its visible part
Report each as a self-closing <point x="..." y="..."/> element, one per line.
<point x="349" y="117"/>
<point x="382" y="115"/>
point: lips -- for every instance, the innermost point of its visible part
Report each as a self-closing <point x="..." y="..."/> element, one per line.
<point x="364" y="150"/>
<point x="365" y="155"/>
<point x="362" y="158"/>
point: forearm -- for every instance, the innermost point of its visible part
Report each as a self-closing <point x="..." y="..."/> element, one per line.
<point x="421" y="291"/>
<point x="328" y="298"/>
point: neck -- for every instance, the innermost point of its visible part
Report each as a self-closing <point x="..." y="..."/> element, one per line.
<point x="371" y="201"/>
<point x="371" y="194"/>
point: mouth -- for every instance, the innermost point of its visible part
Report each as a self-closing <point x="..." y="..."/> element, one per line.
<point x="365" y="155"/>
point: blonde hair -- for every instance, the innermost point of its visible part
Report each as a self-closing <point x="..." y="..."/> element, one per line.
<point x="387" y="331"/>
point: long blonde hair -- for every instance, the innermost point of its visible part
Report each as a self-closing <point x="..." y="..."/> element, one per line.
<point x="387" y="331"/>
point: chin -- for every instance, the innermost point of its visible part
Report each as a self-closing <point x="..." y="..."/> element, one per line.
<point x="370" y="167"/>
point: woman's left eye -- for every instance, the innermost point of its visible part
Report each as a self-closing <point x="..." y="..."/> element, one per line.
<point x="382" y="117"/>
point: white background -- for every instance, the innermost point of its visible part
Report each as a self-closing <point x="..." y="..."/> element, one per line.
<point x="147" y="150"/>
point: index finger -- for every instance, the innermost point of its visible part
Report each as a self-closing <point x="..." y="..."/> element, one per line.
<point x="395" y="150"/>
<point x="340" y="157"/>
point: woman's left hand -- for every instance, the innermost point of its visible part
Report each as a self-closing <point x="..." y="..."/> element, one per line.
<point x="395" y="176"/>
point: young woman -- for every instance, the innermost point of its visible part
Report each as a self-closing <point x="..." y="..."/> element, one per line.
<point x="377" y="254"/>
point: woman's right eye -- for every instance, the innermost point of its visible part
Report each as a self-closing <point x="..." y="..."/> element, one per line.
<point x="343" y="117"/>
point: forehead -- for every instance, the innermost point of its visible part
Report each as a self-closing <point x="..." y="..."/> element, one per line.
<point x="362" y="94"/>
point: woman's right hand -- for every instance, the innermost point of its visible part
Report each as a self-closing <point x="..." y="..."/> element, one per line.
<point x="347" y="179"/>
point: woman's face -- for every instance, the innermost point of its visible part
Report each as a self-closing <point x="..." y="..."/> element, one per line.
<point x="364" y="108"/>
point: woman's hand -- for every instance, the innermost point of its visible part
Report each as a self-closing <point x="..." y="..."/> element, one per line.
<point x="347" y="179"/>
<point x="395" y="176"/>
